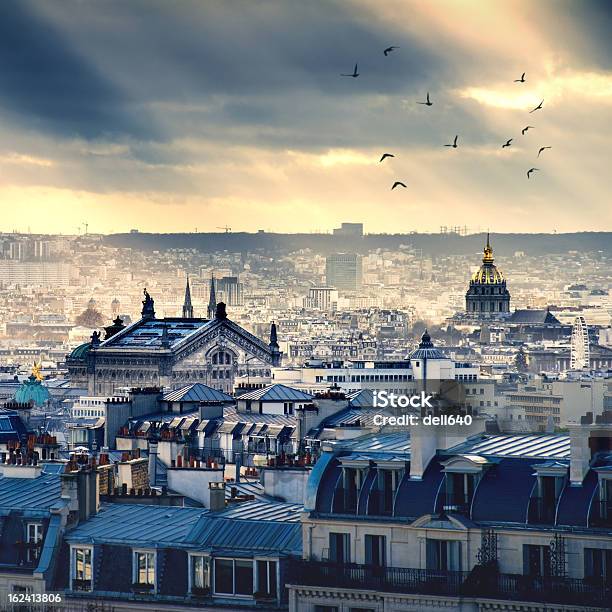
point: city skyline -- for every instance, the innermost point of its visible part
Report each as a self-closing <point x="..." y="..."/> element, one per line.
<point x="236" y="116"/>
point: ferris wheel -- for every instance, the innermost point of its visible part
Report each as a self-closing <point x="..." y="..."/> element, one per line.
<point x="581" y="354"/>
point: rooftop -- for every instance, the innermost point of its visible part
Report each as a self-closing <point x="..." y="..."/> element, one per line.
<point x="277" y="393"/>
<point x="197" y="392"/>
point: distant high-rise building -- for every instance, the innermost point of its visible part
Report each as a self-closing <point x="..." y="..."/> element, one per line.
<point x="344" y="271"/>
<point x="322" y="298"/>
<point x="42" y="250"/>
<point x="349" y="229"/>
<point x="487" y="294"/>
<point x="17" y="251"/>
<point x="230" y="290"/>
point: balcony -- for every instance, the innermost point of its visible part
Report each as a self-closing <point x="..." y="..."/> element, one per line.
<point x="81" y="584"/>
<point x="480" y="582"/>
<point x="455" y="502"/>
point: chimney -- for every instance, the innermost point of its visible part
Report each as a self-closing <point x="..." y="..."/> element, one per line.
<point x="217" y="495"/>
<point x="152" y="462"/>
<point x="80" y="485"/>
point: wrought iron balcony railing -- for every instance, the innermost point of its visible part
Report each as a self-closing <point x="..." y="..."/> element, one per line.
<point x="480" y="582"/>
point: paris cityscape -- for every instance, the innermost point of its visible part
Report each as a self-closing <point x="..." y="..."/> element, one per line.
<point x="305" y="306"/>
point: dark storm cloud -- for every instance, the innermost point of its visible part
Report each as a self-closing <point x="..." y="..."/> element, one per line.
<point x="94" y="69"/>
<point x="49" y="85"/>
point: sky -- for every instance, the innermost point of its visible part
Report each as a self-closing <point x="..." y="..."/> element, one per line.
<point x="200" y="115"/>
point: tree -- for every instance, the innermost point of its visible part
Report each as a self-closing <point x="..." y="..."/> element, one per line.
<point x="90" y="318"/>
<point x="520" y="361"/>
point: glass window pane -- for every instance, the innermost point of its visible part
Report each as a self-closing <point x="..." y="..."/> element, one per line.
<point x="224" y="576"/>
<point x="198" y="578"/>
<point x="244" y="577"/>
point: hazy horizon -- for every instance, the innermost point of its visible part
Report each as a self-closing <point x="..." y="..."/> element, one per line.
<point x="170" y="117"/>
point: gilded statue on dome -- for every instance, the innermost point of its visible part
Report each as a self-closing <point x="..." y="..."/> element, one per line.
<point x="37" y="371"/>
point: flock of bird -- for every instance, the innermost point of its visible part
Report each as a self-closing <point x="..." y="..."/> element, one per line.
<point x="454" y="144"/>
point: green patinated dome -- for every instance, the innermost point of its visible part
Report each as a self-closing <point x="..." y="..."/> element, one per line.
<point x="80" y="351"/>
<point x="32" y="390"/>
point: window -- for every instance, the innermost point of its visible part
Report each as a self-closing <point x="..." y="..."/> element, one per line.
<point x="598" y="565"/>
<point x="81" y="569"/>
<point x="536" y="560"/>
<point x="339" y="548"/>
<point x="375" y="553"/>
<point x="266" y="578"/>
<point x="326" y="609"/>
<point x="199" y="572"/>
<point x="34" y="536"/>
<point x="144" y="568"/>
<point x="443" y="555"/>
<point x="233" y="577"/>
<point x="459" y="491"/>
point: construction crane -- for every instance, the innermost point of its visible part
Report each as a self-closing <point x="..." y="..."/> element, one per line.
<point x="227" y="229"/>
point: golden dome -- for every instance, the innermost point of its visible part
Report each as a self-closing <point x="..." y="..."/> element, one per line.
<point x="488" y="274"/>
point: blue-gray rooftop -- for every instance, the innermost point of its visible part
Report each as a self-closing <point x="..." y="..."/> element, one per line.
<point x="30" y="494"/>
<point x="147" y="333"/>
<point x="197" y="392"/>
<point x="277" y="393"/>
<point x="528" y="445"/>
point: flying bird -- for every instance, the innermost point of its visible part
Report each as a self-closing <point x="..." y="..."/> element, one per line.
<point x="508" y="143"/>
<point x="538" y="107"/>
<point x="385" y="155"/>
<point x="355" y="74"/>
<point x="525" y="129"/>
<point x="388" y="50"/>
<point x="542" y="149"/>
<point x="454" y="145"/>
<point x="531" y="170"/>
<point x="521" y="80"/>
<point x="397" y="184"/>
<point x="428" y="103"/>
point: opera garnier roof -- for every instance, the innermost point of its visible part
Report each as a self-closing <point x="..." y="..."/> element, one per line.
<point x="487" y="295"/>
<point x="172" y="352"/>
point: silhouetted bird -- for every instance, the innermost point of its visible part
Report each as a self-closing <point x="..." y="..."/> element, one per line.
<point x="428" y="103"/>
<point x="385" y="155"/>
<point x="521" y="80"/>
<point x="531" y="170"/>
<point x="388" y="50"/>
<point x="543" y="149"/>
<point x="538" y="107"/>
<point x="508" y="143"/>
<point x="454" y="145"/>
<point x="355" y="74"/>
<point x="525" y="129"/>
<point x="397" y="184"/>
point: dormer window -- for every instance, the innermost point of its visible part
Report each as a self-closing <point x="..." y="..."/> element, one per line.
<point x="551" y="480"/>
<point x="463" y="473"/>
<point x="382" y="494"/>
<point x="601" y="513"/>
<point x="34" y="536"/>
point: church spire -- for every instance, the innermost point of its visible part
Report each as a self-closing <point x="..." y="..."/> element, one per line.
<point x="187" y="307"/>
<point x="212" y="300"/>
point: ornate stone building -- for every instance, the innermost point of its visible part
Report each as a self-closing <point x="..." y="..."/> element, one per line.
<point x="487" y="295"/>
<point x="172" y="352"/>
